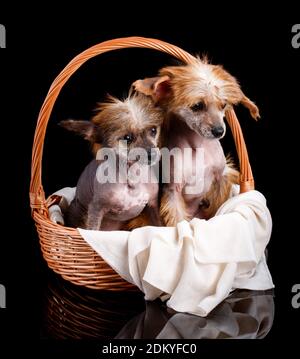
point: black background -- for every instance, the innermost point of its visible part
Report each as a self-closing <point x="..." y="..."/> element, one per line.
<point x="255" y="46"/>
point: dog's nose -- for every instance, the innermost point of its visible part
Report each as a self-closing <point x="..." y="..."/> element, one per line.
<point x="217" y="131"/>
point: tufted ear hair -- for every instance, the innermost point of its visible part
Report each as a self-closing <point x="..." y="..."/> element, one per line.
<point x="158" y="88"/>
<point x="250" y="105"/>
<point x="86" y="129"/>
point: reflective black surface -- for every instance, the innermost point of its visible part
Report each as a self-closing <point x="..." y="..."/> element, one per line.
<point x="72" y="312"/>
<point x="254" y="46"/>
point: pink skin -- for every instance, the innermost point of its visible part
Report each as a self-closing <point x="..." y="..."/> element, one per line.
<point x="182" y="136"/>
<point x="194" y="99"/>
<point x="99" y="204"/>
<point x="109" y="205"/>
<point x="188" y="125"/>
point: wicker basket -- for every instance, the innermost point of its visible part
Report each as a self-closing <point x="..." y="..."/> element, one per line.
<point x="63" y="248"/>
<point x="72" y="312"/>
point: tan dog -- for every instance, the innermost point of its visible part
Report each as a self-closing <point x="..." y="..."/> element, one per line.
<point x="194" y="99"/>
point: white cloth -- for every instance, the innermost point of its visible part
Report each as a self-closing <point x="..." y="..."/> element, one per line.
<point x="196" y="265"/>
<point x="56" y="211"/>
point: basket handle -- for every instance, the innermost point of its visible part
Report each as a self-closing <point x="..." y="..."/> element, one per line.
<point x="37" y="195"/>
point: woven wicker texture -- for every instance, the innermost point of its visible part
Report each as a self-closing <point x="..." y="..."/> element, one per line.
<point x="71" y="312"/>
<point x="63" y="248"/>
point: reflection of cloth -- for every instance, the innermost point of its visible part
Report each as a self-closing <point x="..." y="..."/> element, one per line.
<point x="197" y="264"/>
<point x="244" y="315"/>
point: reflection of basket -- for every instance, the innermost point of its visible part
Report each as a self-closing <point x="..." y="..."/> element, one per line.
<point x="78" y="313"/>
<point x="63" y="248"/>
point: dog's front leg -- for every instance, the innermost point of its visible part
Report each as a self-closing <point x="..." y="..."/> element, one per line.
<point x="152" y="211"/>
<point x="172" y="208"/>
<point x="94" y="216"/>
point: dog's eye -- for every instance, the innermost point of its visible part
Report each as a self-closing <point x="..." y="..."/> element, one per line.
<point x="153" y="131"/>
<point x="129" y="138"/>
<point x="223" y="106"/>
<point x="200" y="106"/>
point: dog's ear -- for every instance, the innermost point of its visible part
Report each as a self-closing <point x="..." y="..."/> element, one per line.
<point x="158" y="88"/>
<point x="86" y="129"/>
<point x="250" y="105"/>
